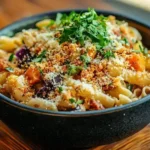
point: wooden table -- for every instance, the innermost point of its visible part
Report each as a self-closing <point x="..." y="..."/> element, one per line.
<point x="11" y="10"/>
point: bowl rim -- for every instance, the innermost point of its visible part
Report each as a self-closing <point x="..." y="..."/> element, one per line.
<point x="72" y="113"/>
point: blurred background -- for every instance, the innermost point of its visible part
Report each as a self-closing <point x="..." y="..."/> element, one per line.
<point x="12" y="10"/>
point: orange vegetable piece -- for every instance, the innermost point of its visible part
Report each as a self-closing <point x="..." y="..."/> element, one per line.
<point x="33" y="75"/>
<point x="3" y="65"/>
<point x="137" y="61"/>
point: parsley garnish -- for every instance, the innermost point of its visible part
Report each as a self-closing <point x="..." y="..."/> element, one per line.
<point x="85" y="26"/>
<point x="11" y="57"/>
<point x="52" y="22"/>
<point x="125" y="41"/>
<point x="129" y="86"/>
<point x="40" y="57"/>
<point x="143" y="50"/>
<point x="9" y="69"/>
<point x="58" y="18"/>
<point x="41" y="71"/>
<point x="77" y="102"/>
<point x="73" y="70"/>
<point x="67" y="62"/>
<point x="109" y="54"/>
<point x="60" y="89"/>
<point x="86" y="59"/>
<point x="72" y="100"/>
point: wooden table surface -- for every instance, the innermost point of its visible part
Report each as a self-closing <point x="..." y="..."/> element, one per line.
<point x="11" y="10"/>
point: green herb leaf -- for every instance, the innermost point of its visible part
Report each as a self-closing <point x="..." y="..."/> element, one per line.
<point x="109" y="54"/>
<point x="9" y="69"/>
<point x="85" y="26"/>
<point x="67" y="62"/>
<point x="40" y="57"/>
<point x="41" y="71"/>
<point x="52" y="22"/>
<point x="79" y="101"/>
<point x="73" y="70"/>
<point x="86" y="59"/>
<point x="125" y="41"/>
<point x="60" y="89"/>
<point x="72" y="100"/>
<point x="129" y="86"/>
<point x="143" y="49"/>
<point x="11" y="57"/>
<point x="58" y="18"/>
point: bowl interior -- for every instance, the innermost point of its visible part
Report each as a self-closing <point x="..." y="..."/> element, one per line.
<point x="29" y="22"/>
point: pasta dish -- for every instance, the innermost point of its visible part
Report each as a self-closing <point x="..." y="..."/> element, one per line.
<point x="77" y="62"/>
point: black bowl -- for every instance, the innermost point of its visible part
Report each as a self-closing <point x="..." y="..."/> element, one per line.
<point x="75" y="129"/>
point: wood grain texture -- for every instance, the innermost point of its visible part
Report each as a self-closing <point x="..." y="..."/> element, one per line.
<point x="12" y="10"/>
<point x="10" y="140"/>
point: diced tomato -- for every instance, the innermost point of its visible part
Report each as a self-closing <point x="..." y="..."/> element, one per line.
<point x="33" y="75"/>
<point x="137" y="61"/>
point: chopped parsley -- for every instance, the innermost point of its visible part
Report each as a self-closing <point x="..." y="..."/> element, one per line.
<point x="52" y="22"/>
<point x="11" y="57"/>
<point x="72" y="100"/>
<point x="84" y="26"/>
<point x="126" y="42"/>
<point x="58" y="18"/>
<point x="60" y="89"/>
<point x="143" y="50"/>
<point x="86" y="59"/>
<point x="129" y="86"/>
<point x="40" y="57"/>
<point x="77" y="102"/>
<point x="41" y="71"/>
<point x="73" y="70"/>
<point x="109" y="54"/>
<point x="67" y="62"/>
<point x="9" y="69"/>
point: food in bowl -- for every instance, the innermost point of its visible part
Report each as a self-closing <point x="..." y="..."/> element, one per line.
<point x="78" y="62"/>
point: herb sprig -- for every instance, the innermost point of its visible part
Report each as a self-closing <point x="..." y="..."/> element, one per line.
<point x="74" y="101"/>
<point x="9" y="69"/>
<point x="82" y="27"/>
<point x="73" y="70"/>
<point x="40" y="57"/>
<point x="11" y="57"/>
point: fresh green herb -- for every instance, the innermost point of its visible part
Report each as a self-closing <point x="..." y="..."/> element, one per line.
<point x="58" y="18"/>
<point x="143" y="50"/>
<point x="67" y="62"/>
<point x="125" y="41"/>
<point x="52" y="22"/>
<point x="9" y="69"/>
<point x="79" y="101"/>
<point x="60" y="89"/>
<point x="72" y="100"/>
<point x="41" y="71"/>
<point x="73" y="70"/>
<point x="136" y="51"/>
<point x="85" y="26"/>
<point x="40" y="57"/>
<point x="11" y="57"/>
<point x="86" y="59"/>
<point x="129" y="86"/>
<point x="108" y="54"/>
